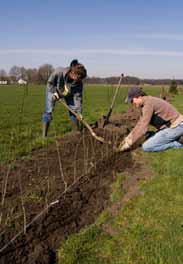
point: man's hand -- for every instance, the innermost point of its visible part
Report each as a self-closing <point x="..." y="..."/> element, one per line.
<point x="55" y="96"/>
<point x="80" y="117"/>
<point x="124" y="145"/>
<point x="66" y="90"/>
<point x="61" y="93"/>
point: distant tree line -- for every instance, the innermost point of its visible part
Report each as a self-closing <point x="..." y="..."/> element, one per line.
<point x="162" y="81"/>
<point x="113" y="80"/>
<point x="40" y="76"/>
<point x="31" y="75"/>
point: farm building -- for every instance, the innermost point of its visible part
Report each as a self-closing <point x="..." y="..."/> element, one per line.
<point x="21" y="81"/>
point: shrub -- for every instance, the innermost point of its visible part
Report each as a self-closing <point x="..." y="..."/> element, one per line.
<point x="173" y="87"/>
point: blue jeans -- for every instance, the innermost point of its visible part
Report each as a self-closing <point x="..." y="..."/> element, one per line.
<point x="73" y="101"/>
<point x="164" y="139"/>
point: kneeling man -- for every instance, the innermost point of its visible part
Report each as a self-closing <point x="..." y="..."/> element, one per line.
<point x="160" y="114"/>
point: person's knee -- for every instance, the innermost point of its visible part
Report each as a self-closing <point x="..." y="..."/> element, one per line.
<point x="147" y="147"/>
<point x="47" y="117"/>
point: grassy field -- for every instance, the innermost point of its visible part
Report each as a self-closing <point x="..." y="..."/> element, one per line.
<point x="150" y="228"/>
<point x="21" y="112"/>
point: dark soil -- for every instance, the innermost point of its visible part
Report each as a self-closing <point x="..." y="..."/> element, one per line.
<point x="77" y="172"/>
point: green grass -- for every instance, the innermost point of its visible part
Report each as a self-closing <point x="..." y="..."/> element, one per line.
<point x="149" y="230"/>
<point x="21" y="112"/>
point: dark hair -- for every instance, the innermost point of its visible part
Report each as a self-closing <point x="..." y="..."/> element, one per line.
<point x="135" y="92"/>
<point x="141" y="93"/>
<point x="79" y="70"/>
<point x="74" y="63"/>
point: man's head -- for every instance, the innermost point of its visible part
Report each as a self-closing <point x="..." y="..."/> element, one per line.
<point x="135" y="95"/>
<point x="77" y="72"/>
<point x="74" y="62"/>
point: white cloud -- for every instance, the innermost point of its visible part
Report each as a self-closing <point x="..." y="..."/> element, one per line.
<point x="70" y="52"/>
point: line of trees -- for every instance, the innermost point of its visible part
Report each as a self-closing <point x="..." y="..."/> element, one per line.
<point x="113" y="80"/>
<point x="40" y="76"/>
<point x="32" y="75"/>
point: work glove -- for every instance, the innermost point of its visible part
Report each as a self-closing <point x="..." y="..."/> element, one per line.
<point x="55" y="96"/>
<point x="61" y="93"/>
<point x="80" y="117"/>
<point x="124" y="145"/>
<point x="66" y="90"/>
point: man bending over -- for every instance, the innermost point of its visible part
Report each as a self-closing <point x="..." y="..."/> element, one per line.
<point x="158" y="113"/>
<point x="65" y="83"/>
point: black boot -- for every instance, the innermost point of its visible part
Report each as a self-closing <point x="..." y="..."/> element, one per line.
<point x="180" y="140"/>
<point x="45" y="129"/>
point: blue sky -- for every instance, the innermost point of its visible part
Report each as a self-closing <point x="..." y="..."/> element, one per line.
<point x="138" y="38"/>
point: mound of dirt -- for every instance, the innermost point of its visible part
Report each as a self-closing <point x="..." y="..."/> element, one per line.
<point x="56" y="191"/>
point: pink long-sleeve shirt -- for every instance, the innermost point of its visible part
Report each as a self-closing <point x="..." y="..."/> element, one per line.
<point x="157" y="112"/>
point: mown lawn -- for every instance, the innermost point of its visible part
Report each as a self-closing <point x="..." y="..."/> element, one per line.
<point x="21" y="112"/>
<point x="149" y="230"/>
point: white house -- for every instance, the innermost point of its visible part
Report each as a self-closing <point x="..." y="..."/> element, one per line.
<point x="3" y="82"/>
<point x="21" y="81"/>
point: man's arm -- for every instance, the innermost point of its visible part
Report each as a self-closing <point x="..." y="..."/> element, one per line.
<point x="140" y="129"/>
<point x="60" y="81"/>
<point x="142" y="125"/>
<point x="61" y="87"/>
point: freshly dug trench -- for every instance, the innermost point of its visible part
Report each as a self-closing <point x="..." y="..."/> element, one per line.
<point x="78" y="172"/>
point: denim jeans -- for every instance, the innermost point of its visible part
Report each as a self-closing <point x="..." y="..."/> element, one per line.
<point x="164" y="139"/>
<point x="74" y="101"/>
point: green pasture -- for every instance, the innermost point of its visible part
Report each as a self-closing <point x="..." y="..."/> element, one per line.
<point x="149" y="230"/>
<point x="21" y="111"/>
